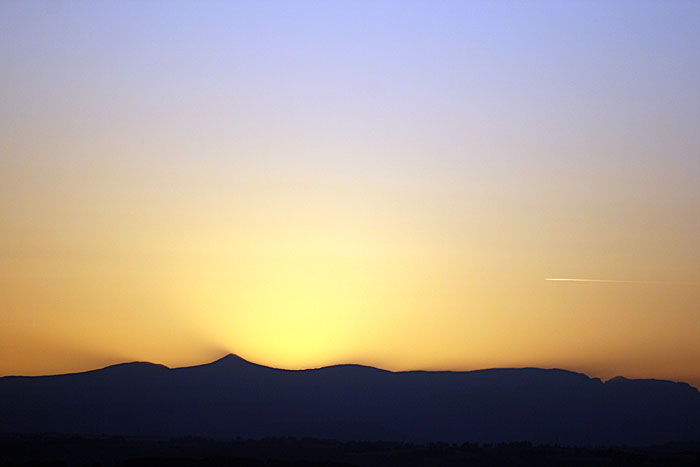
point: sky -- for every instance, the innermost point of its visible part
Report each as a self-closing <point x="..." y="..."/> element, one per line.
<point x="384" y="183"/>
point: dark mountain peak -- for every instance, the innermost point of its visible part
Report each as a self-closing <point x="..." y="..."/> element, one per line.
<point x="351" y="368"/>
<point x="532" y="374"/>
<point x="231" y="359"/>
<point x="132" y="367"/>
<point x="621" y="381"/>
<point x="228" y="362"/>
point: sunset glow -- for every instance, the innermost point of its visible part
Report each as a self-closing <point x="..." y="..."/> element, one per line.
<point x="397" y="184"/>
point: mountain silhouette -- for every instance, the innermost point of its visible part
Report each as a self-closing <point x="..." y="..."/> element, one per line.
<point x="232" y="397"/>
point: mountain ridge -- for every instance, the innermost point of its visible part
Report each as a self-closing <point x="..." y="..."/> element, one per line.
<point x="232" y="397"/>
<point x="232" y="360"/>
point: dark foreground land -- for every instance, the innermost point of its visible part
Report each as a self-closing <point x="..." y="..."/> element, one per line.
<point x="48" y="450"/>
<point x="232" y="398"/>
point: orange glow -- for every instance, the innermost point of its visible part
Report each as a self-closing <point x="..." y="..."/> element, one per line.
<point x="391" y="188"/>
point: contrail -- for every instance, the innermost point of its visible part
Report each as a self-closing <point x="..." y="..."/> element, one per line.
<point x="613" y="281"/>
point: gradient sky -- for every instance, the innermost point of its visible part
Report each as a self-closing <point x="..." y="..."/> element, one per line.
<point x="387" y="183"/>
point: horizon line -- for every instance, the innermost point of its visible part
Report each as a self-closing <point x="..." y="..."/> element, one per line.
<point x="232" y="354"/>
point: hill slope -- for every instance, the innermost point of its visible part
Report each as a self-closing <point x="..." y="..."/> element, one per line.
<point x="232" y="397"/>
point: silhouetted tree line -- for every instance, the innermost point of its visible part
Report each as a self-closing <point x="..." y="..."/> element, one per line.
<point x="60" y="451"/>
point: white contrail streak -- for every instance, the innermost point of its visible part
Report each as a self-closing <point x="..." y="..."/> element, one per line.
<point x="613" y="281"/>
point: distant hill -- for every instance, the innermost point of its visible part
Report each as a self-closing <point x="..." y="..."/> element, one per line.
<point x="232" y="397"/>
